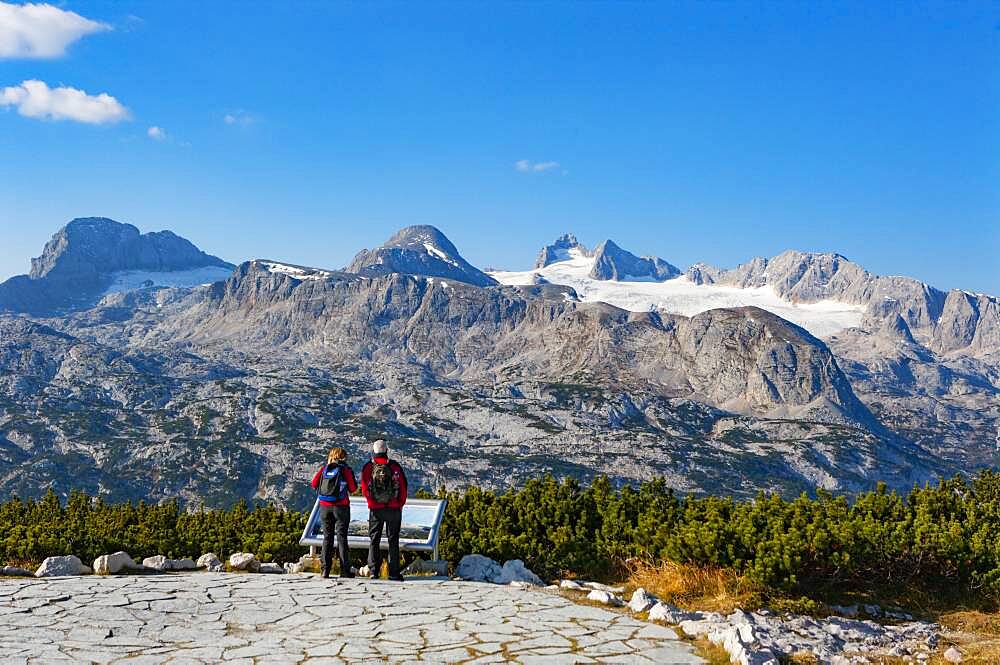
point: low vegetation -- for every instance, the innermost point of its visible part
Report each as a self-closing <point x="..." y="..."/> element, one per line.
<point x="935" y="544"/>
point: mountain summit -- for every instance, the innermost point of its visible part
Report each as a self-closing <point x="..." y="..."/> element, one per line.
<point x="613" y="262"/>
<point x="419" y="250"/>
<point x="90" y="255"/>
<point x="560" y="251"/>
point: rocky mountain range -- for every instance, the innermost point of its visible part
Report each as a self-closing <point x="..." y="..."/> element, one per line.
<point x="235" y="387"/>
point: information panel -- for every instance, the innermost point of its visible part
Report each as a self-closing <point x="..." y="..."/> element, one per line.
<point x="419" y="531"/>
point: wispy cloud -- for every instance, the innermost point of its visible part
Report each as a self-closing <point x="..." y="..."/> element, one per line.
<point x="35" y="99"/>
<point x="156" y="133"/>
<point x="239" y="118"/>
<point x="41" y="31"/>
<point x="527" y="166"/>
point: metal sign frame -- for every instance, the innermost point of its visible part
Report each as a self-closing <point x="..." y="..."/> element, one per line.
<point x="312" y="535"/>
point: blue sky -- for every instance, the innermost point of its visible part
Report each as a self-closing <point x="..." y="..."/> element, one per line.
<point x="697" y="132"/>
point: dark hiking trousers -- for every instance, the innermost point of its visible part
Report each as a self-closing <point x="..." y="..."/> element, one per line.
<point x="390" y="518"/>
<point x="335" y="521"/>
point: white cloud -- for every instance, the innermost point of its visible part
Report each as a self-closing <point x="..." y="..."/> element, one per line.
<point x="527" y="166"/>
<point x="35" y="99"/>
<point x="40" y="31"/>
<point x="240" y="118"/>
<point x="156" y="133"/>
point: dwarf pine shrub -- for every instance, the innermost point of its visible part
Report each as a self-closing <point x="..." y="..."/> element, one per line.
<point x="945" y="535"/>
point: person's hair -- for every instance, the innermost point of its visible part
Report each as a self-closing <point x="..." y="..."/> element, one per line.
<point x="336" y="456"/>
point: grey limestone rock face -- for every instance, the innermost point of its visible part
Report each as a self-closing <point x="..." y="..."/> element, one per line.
<point x="419" y="250"/>
<point x="611" y="262"/>
<point x="810" y="277"/>
<point x="91" y="246"/>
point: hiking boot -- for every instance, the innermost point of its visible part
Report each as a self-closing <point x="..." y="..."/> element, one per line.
<point x="348" y="574"/>
<point x="396" y="578"/>
<point x="325" y="574"/>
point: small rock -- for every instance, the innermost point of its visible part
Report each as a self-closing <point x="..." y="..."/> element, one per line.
<point x="244" y="561"/>
<point x="605" y="597"/>
<point x="181" y="564"/>
<point x="604" y="587"/>
<point x="109" y="564"/>
<point x="158" y="562"/>
<point x="294" y="567"/>
<point x="62" y="566"/>
<point x="477" y="568"/>
<point x="668" y="613"/>
<point x="210" y="562"/>
<point x="424" y="567"/>
<point x="953" y="655"/>
<point x="552" y="587"/>
<point x="570" y="584"/>
<point x="515" y="571"/>
<point x="364" y="571"/>
<point x="14" y="571"/>
<point x="641" y="601"/>
<point x="272" y="568"/>
<point x="849" y="611"/>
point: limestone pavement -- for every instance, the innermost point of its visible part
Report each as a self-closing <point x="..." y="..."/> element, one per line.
<point x="245" y="618"/>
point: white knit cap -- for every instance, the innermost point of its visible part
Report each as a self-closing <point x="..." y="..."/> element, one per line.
<point x="379" y="447"/>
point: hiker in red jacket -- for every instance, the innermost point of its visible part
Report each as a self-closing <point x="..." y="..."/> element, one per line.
<point x="384" y="485"/>
<point x="334" y="482"/>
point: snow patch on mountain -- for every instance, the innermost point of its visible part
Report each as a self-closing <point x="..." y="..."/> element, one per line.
<point x="683" y="296"/>
<point x="130" y="280"/>
<point x="296" y="272"/>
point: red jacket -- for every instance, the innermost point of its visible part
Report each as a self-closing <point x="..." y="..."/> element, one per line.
<point x="352" y="486"/>
<point x="397" y="471"/>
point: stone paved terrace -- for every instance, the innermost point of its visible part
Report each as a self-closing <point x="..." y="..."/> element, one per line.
<point x="246" y="618"/>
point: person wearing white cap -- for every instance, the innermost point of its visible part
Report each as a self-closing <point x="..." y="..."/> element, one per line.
<point x="383" y="483"/>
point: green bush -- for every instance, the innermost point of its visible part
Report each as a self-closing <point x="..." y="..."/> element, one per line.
<point x="941" y="536"/>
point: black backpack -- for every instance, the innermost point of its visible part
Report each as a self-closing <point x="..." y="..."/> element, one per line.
<point x="384" y="485"/>
<point x="332" y="484"/>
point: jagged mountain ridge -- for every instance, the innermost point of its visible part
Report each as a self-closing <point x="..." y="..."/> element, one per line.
<point x="81" y="261"/>
<point x="271" y="364"/>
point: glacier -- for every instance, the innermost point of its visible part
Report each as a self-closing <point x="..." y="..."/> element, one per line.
<point x="682" y="296"/>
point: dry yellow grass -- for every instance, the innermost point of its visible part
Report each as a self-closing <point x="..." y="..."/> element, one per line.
<point x="694" y="587"/>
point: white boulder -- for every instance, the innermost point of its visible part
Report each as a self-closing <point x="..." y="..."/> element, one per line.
<point x="244" y="561"/>
<point x="158" y="562"/>
<point x="365" y="571"/>
<point x="605" y="597"/>
<point x="641" y="600"/>
<point x="210" y="562"/>
<point x="953" y="655"/>
<point x="62" y="566"/>
<point x="515" y="571"/>
<point x="110" y="564"/>
<point x="572" y="585"/>
<point x="294" y="567"/>
<point x="478" y="568"/>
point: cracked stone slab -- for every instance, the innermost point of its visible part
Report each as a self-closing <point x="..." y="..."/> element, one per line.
<point x="243" y="618"/>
